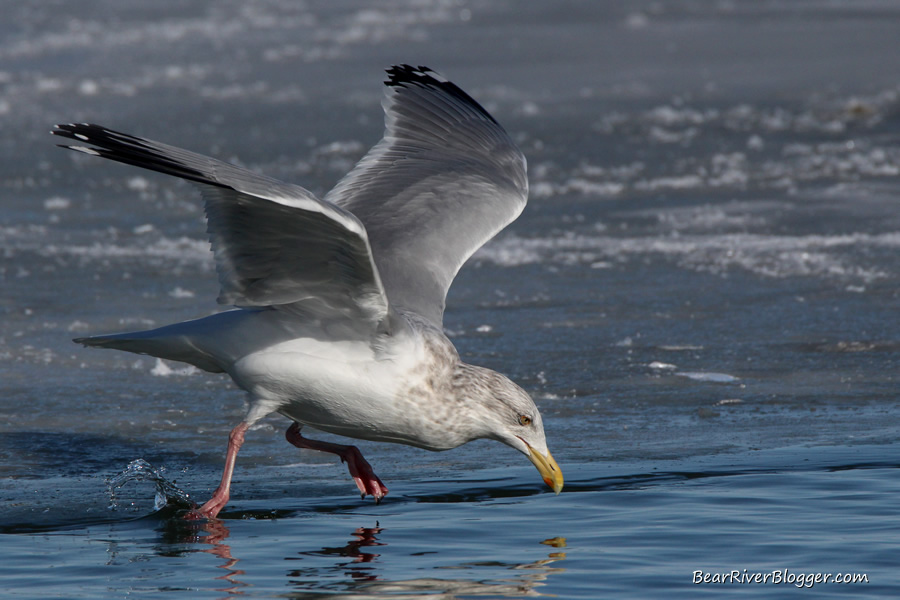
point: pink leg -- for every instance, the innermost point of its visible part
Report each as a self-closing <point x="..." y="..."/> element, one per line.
<point x="360" y="469"/>
<point x="220" y="496"/>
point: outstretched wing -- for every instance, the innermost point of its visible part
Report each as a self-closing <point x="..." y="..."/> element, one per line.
<point x="275" y="244"/>
<point x="444" y="180"/>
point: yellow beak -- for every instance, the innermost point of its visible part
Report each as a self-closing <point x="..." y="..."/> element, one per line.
<point x="548" y="468"/>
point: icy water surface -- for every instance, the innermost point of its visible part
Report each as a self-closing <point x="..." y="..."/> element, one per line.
<point x="701" y="296"/>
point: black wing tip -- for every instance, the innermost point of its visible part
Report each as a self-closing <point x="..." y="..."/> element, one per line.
<point x="89" y="133"/>
<point x="72" y="129"/>
<point x="97" y="140"/>
<point x="85" y="133"/>
<point x="404" y="75"/>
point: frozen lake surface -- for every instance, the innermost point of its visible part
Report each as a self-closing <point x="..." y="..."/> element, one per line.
<point x="702" y="297"/>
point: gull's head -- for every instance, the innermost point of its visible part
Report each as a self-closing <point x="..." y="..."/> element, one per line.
<point x="509" y="415"/>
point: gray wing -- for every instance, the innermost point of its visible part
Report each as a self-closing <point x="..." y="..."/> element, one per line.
<point x="444" y="180"/>
<point x="275" y="244"/>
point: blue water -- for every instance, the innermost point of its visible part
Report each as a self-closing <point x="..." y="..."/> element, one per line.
<point x="617" y="531"/>
<point x="701" y="296"/>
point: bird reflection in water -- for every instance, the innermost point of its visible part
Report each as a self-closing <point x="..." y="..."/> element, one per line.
<point x="356" y="561"/>
<point x="362" y="537"/>
<point x="214" y="532"/>
<point x="364" y="579"/>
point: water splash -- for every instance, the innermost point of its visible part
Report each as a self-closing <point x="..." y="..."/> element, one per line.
<point x="166" y="493"/>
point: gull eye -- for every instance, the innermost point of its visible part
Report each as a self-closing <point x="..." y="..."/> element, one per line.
<point x="524" y="420"/>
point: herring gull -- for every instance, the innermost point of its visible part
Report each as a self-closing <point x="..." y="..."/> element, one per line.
<point x="339" y="302"/>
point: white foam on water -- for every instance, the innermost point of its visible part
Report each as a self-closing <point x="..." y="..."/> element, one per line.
<point x="681" y="115"/>
<point x="776" y="256"/>
<point x="83" y="33"/>
<point x="182" y="250"/>
<point x="161" y="369"/>
<point x="765" y="147"/>
<point x="138" y="183"/>
<point x="707" y="376"/>
<point x="680" y="182"/>
<point x="709" y="218"/>
<point x="142" y="229"/>
<point x="57" y="203"/>
<point x="798" y="164"/>
<point x="17" y="235"/>
<point x="78" y="326"/>
<point x="661" y="366"/>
